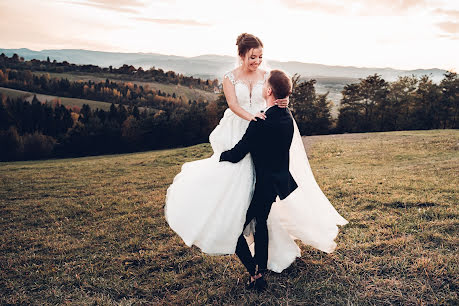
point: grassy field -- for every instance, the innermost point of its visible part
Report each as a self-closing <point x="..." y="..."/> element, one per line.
<point x="13" y="93"/>
<point x="184" y="91"/>
<point x="91" y="230"/>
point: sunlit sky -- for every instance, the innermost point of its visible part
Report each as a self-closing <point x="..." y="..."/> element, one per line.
<point x="403" y="34"/>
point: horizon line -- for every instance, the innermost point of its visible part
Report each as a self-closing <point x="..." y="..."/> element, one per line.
<point x="225" y="55"/>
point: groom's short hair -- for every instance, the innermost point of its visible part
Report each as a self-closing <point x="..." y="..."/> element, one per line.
<point x="280" y="83"/>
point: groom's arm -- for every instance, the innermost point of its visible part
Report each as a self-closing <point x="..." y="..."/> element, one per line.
<point x="244" y="145"/>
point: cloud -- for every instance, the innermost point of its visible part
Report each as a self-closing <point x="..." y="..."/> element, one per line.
<point x="123" y="6"/>
<point x="449" y="36"/>
<point x="37" y="39"/>
<point x="173" y="21"/>
<point x="313" y="6"/>
<point x="356" y="7"/>
<point x="401" y="5"/>
<point x="449" y="13"/>
<point x="449" y="27"/>
<point x="133" y="3"/>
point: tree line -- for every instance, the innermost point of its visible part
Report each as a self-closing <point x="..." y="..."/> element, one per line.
<point x="127" y="72"/>
<point x="375" y="105"/>
<point x="33" y="130"/>
<point x="108" y="91"/>
<point x="140" y="121"/>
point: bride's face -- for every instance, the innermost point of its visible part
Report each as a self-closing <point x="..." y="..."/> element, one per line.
<point x="253" y="59"/>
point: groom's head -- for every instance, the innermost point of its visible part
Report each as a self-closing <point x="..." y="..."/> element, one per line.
<point x="277" y="86"/>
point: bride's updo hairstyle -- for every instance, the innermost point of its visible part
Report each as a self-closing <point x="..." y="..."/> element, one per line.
<point x="280" y="84"/>
<point x="245" y="42"/>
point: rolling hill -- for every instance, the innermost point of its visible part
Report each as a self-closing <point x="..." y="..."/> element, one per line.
<point x="329" y="78"/>
<point x="13" y="93"/>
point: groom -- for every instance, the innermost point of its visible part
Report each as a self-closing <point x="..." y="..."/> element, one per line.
<point x="268" y="141"/>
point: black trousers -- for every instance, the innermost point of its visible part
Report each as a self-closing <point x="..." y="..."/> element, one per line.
<point x="259" y="208"/>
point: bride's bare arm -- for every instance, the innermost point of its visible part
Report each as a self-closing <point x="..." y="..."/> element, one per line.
<point x="231" y="99"/>
<point x="282" y="103"/>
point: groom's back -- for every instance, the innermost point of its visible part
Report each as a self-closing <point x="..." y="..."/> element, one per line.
<point x="271" y="155"/>
<point x="272" y="151"/>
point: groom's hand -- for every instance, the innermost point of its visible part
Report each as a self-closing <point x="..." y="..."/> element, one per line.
<point x="222" y="157"/>
<point x="237" y="153"/>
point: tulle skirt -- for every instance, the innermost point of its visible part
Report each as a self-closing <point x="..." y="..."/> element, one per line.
<point x="207" y="202"/>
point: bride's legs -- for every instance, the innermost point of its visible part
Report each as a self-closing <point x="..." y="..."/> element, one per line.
<point x="242" y="248"/>
<point x="260" y="207"/>
<point x="243" y="252"/>
<point x="261" y="244"/>
<point x="261" y="230"/>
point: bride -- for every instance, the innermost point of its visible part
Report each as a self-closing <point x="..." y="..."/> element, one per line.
<point x="207" y="202"/>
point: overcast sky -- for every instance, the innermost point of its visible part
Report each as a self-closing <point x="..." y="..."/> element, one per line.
<point x="405" y="34"/>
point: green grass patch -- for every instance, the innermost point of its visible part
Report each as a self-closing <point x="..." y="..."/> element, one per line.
<point x="92" y="230"/>
<point x="186" y="92"/>
<point x="13" y="93"/>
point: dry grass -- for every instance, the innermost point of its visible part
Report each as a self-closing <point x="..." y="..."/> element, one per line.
<point x="92" y="231"/>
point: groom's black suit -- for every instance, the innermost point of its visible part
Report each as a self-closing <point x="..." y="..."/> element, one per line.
<point x="268" y="141"/>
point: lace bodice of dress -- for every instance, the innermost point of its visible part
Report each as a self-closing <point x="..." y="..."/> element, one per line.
<point x="250" y="101"/>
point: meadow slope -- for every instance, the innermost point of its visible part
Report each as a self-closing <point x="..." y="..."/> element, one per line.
<point x="92" y="231"/>
<point x="28" y="96"/>
<point x="186" y="92"/>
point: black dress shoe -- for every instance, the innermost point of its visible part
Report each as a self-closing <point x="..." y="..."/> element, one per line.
<point x="250" y="284"/>
<point x="260" y="283"/>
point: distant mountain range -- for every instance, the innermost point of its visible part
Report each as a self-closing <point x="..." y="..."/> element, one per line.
<point x="331" y="79"/>
<point x="214" y="66"/>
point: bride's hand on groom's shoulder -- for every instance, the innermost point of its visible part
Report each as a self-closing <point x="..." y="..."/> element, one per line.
<point x="258" y="115"/>
<point x="282" y="103"/>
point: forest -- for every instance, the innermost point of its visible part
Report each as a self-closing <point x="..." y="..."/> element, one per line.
<point x="126" y="72"/>
<point x="144" y="119"/>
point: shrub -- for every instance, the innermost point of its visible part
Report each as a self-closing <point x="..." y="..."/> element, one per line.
<point x="37" y="145"/>
<point x="11" y="144"/>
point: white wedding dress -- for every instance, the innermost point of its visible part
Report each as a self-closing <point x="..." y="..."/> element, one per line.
<point x="207" y="202"/>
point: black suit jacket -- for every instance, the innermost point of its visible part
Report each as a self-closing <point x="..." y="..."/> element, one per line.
<point x="268" y="141"/>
